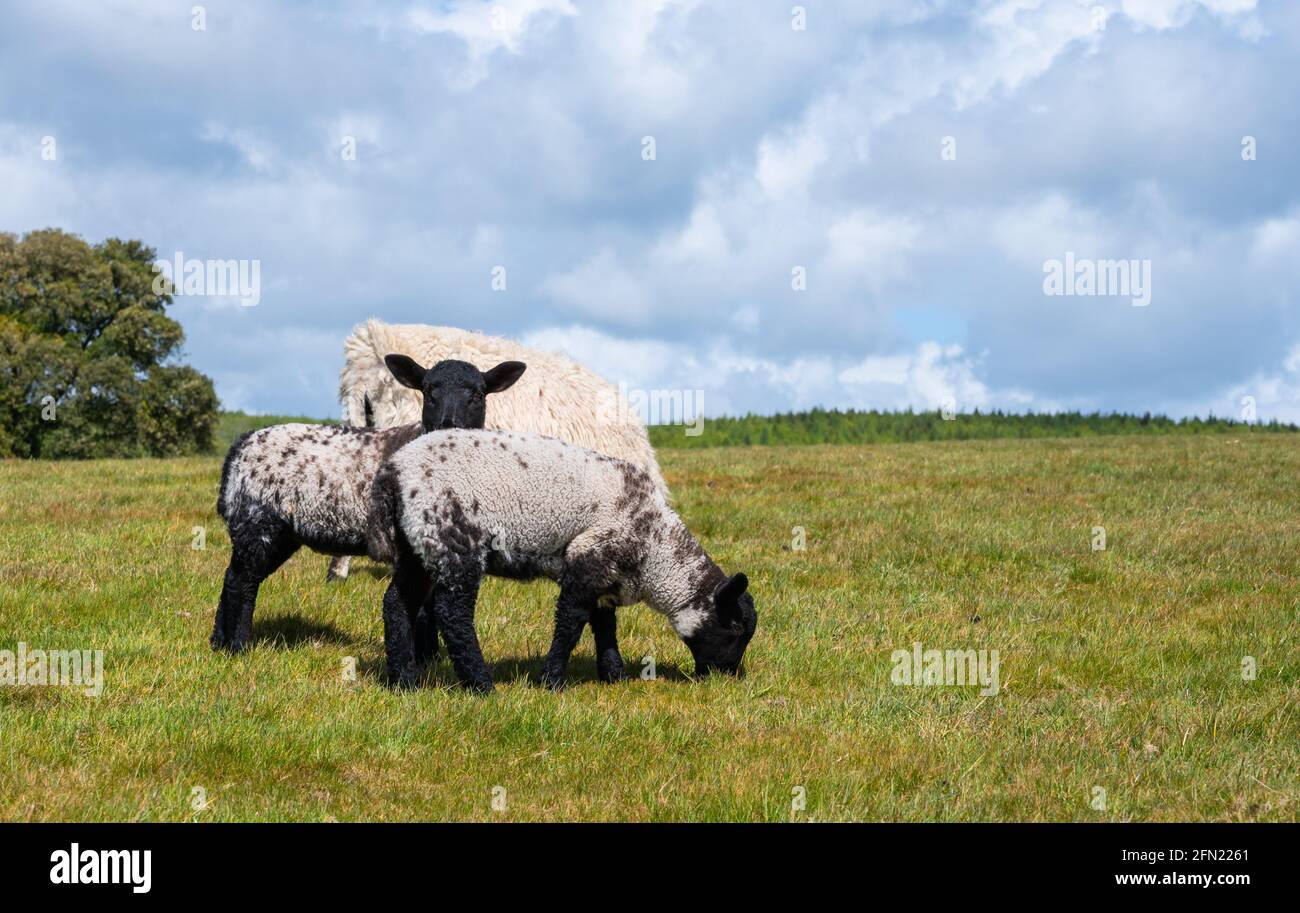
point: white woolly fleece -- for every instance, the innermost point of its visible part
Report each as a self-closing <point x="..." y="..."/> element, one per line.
<point x="524" y="504"/>
<point x="315" y="477"/>
<point x="556" y="396"/>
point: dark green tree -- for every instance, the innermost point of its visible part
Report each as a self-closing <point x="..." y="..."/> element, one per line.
<point x="88" y="356"/>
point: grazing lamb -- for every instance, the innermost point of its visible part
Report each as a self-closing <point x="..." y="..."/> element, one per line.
<point x="291" y="485"/>
<point x="454" y="506"/>
<point x="558" y="397"/>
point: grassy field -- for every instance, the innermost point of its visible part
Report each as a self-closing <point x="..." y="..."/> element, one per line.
<point x="1120" y="669"/>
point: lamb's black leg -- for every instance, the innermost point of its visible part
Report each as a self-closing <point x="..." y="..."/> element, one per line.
<point x="406" y="591"/>
<point x="609" y="663"/>
<point x="426" y="632"/>
<point x="572" y="611"/>
<point x="256" y="553"/>
<point x="228" y="589"/>
<point x="453" y="610"/>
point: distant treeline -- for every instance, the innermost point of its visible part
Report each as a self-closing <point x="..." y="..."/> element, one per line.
<point x="831" y="426"/>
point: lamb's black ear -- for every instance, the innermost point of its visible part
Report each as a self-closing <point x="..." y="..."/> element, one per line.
<point x="727" y="596"/>
<point x="503" y="376"/>
<point x="406" y="370"/>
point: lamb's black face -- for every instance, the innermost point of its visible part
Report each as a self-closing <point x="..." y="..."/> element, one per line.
<point x="719" y="644"/>
<point x="455" y="392"/>
<point x="454" y="396"/>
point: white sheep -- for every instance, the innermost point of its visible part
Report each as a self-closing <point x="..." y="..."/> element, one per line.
<point x="454" y="506"/>
<point x="557" y="397"/>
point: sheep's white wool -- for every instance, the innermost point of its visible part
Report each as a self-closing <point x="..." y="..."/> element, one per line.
<point x="528" y="504"/>
<point x="555" y="397"/>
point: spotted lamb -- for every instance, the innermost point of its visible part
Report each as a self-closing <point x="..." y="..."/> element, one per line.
<point x="291" y="485"/>
<point x="455" y="506"/>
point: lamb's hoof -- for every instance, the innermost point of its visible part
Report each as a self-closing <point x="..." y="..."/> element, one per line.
<point x="612" y="676"/>
<point x="403" y="681"/>
<point x="332" y="577"/>
<point x="552" y="680"/>
<point x="484" y="686"/>
<point x="611" y="671"/>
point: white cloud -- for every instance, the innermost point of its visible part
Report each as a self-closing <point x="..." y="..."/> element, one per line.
<point x="703" y="238"/>
<point x="366" y="128"/>
<point x="603" y="288"/>
<point x="787" y="164"/>
<point x="638" y="362"/>
<point x="1276" y="238"/>
<point x="872" y="244"/>
<point x="1273" y="393"/>
<point x="1033" y="230"/>
<point x="1170" y="14"/>
<point x="1025" y="37"/>
<point x="733" y="381"/>
<point x="927" y="377"/>
<point x="747" y="319"/>
<point x="487" y="27"/>
<point x="256" y="152"/>
<point x="649" y="78"/>
<point x="38" y="192"/>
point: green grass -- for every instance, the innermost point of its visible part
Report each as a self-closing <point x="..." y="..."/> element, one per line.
<point x="1120" y="669"/>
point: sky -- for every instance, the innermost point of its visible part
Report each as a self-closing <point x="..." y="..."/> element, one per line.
<point x="768" y="205"/>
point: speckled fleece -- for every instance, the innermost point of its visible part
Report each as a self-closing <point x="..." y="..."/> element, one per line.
<point x="316" y="478"/>
<point x="525" y="505"/>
